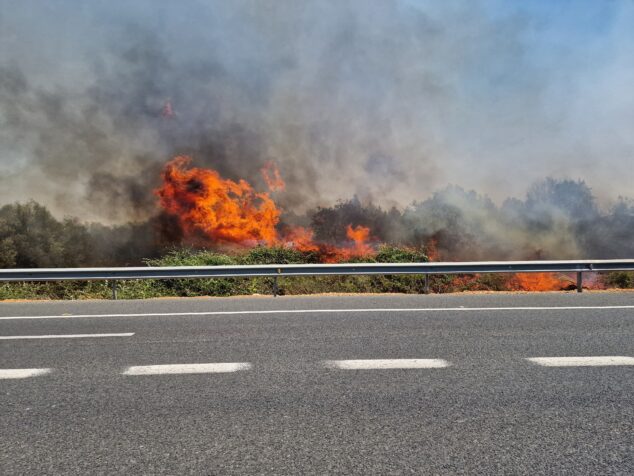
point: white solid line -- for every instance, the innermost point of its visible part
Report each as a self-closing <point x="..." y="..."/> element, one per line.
<point x="321" y="311"/>
<point x="187" y="368"/>
<point x="22" y="373"/>
<point x="387" y="364"/>
<point x="66" y="336"/>
<point x="598" y="361"/>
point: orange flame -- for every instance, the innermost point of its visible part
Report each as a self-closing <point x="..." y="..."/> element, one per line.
<point x="537" y="282"/>
<point x="358" y="247"/>
<point x="272" y="177"/>
<point x="431" y="249"/>
<point x="221" y="210"/>
<point x="301" y="239"/>
<point x="359" y="237"/>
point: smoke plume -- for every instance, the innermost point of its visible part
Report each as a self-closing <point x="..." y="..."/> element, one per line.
<point x="384" y="101"/>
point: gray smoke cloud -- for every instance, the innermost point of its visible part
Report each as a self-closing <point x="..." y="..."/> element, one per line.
<point x="385" y="100"/>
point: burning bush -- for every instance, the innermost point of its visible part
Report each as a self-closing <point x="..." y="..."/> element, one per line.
<point x="211" y="211"/>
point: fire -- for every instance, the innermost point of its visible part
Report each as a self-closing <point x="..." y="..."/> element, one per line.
<point x="359" y="237"/>
<point x="216" y="211"/>
<point x="301" y="239"/>
<point x="537" y="282"/>
<point x="272" y="177"/>
<point x="219" y="209"/>
<point x="431" y="249"/>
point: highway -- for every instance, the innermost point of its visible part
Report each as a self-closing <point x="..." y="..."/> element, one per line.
<point x="438" y="384"/>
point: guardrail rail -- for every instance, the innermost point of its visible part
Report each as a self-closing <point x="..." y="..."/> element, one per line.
<point x="276" y="270"/>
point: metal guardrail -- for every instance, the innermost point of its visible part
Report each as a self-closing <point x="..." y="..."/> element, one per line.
<point x="277" y="270"/>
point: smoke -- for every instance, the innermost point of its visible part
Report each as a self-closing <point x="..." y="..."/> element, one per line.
<point x="557" y="219"/>
<point x="386" y="101"/>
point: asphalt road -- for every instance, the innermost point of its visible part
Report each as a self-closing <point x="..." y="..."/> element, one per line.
<point x="296" y="402"/>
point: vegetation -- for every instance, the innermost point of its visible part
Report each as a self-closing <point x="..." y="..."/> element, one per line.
<point x="30" y="237"/>
<point x="620" y="279"/>
<point x="138" y="289"/>
<point x="230" y="287"/>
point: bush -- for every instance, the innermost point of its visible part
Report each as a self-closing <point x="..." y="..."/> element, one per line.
<point x="30" y="237"/>
<point x="274" y="255"/>
<point x="395" y="254"/>
<point x="620" y="279"/>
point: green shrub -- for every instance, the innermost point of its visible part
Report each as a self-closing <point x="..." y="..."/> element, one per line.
<point x="619" y="279"/>
<point x="395" y="254"/>
<point x="190" y="257"/>
<point x="274" y="255"/>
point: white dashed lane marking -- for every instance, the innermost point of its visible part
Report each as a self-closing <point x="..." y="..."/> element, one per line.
<point x="383" y="364"/>
<point x="22" y="373"/>
<point x="187" y="368"/>
<point x="597" y="361"/>
<point x="355" y="364"/>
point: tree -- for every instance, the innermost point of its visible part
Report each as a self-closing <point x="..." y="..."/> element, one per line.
<point x="31" y="237"/>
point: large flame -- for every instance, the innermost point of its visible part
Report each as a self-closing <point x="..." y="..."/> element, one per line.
<point x="221" y="210"/>
<point x="213" y="210"/>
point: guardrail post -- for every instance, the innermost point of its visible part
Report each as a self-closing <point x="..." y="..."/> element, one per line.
<point x="276" y="289"/>
<point x="426" y="288"/>
<point x="579" y="281"/>
<point x="113" y="285"/>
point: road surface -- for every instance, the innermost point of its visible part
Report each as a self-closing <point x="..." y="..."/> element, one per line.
<point x="461" y="384"/>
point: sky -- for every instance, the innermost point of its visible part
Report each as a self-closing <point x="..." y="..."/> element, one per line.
<point x="386" y="100"/>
